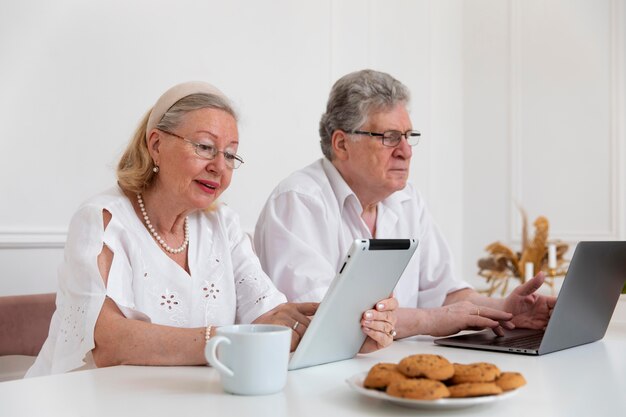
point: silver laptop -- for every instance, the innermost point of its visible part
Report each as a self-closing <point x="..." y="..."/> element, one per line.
<point x="584" y="307"/>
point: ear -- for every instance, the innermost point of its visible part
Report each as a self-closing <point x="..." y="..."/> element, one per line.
<point x="339" y="144"/>
<point x="154" y="145"/>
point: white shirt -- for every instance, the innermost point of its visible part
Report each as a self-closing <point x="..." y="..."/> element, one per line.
<point x="311" y="219"/>
<point x="226" y="284"/>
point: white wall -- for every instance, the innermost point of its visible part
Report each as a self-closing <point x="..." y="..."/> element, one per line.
<point x="517" y="99"/>
<point x="77" y="76"/>
<point x="544" y="120"/>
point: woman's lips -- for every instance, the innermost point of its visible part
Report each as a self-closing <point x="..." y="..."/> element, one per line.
<point x="208" y="186"/>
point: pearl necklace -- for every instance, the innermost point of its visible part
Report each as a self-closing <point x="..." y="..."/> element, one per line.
<point x="157" y="237"/>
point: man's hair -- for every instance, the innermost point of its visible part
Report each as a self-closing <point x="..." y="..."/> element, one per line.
<point x="353" y="98"/>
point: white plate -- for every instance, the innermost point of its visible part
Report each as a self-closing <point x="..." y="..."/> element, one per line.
<point x="356" y="383"/>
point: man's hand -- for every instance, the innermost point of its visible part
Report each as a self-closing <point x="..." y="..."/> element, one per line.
<point x="463" y="315"/>
<point x="530" y="310"/>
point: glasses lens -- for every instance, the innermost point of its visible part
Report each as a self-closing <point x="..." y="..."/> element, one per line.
<point x="392" y="137"/>
<point x="206" y="151"/>
<point x="232" y="160"/>
<point x="413" y="137"/>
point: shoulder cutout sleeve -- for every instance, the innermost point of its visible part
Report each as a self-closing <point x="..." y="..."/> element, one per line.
<point x="79" y="299"/>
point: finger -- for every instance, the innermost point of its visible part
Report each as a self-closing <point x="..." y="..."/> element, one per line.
<point x="299" y="328"/>
<point x="388" y="304"/>
<point x="380" y="326"/>
<point x="499" y="331"/>
<point x="493" y="313"/>
<point x="287" y="315"/>
<point x="369" y="345"/>
<point x="374" y="315"/>
<point x="301" y="318"/>
<point x="302" y="323"/>
<point x="382" y="339"/>
<point x="307" y="309"/>
<point x="531" y="286"/>
<point x="481" y="322"/>
<point x="293" y="317"/>
<point x="509" y="325"/>
<point x="295" y="340"/>
<point x="551" y="302"/>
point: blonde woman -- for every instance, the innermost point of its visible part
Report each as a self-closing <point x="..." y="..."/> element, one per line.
<point x="154" y="265"/>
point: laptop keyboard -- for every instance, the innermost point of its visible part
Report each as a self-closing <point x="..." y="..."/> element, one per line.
<point x="531" y="341"/>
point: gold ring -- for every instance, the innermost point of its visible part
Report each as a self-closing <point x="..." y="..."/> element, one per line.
<point x="295" y="325"/>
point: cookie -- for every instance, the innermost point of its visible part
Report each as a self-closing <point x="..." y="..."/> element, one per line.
<point x="381" y="375"/>
<point x="418" y="389"/>
<point x="474" y="389"/>
<point x="426" y="365"/>
<point x="475" y="372"/>
<point x="510" y="380"/>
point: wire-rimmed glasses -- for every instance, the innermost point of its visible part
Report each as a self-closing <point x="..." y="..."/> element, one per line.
<point x="210" y="151"/>
<point x="392" y="138"/>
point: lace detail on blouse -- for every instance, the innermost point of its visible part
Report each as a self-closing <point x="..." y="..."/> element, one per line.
<point x="253" y="285"/>
<point x="72" y="326"/>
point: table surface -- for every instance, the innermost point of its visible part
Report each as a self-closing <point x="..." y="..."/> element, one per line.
<point x="588" y="380"/>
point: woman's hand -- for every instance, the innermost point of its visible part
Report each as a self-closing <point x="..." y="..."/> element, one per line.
<point x="294" y="315"/>
<point x="379" y="325"/>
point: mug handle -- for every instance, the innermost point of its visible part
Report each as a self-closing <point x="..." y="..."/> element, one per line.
<point x="210" y="352"/>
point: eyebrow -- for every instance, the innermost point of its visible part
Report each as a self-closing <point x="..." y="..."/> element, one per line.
<point x="215" y="136"/>
<point x="207" y="131"/>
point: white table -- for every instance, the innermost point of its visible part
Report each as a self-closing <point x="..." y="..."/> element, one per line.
<point x="589" y="380"/>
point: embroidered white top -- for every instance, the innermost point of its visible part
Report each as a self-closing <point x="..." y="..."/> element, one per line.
<point x="226" y="284"/>
<point x="311" y="219"/>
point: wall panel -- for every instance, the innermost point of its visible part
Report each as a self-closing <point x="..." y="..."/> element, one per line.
<point x="77" y="77"/>
<point x="544" y="121"/>
<point x="564" y="155"/>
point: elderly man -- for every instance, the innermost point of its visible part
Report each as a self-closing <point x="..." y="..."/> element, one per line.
<point x="360" y="190"/>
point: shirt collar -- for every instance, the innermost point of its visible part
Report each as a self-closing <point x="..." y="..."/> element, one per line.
<point x="340" y="187"/>
<point x="343" y="191"/>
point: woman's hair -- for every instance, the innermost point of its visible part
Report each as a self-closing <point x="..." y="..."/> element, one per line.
<point x="353" y="98"/>
<point x="135" y="168"/>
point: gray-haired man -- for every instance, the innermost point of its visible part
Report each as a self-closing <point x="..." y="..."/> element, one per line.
<point x="360" y="190"/>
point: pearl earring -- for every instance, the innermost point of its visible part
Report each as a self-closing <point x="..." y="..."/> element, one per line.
<point x="155" y="169"/>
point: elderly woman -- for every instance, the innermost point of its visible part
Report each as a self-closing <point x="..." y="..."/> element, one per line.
<point x="155" y="264"/>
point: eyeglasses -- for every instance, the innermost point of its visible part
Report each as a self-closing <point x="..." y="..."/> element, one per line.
<point x="392" y="138"/>
<point x="209" y="151"/>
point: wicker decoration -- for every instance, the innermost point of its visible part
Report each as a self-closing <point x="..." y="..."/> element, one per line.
<point x="503" y="263"/>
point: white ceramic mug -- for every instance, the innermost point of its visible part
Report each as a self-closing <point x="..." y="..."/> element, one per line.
<point x="253" y="358"/>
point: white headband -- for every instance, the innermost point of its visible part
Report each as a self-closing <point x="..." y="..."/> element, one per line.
<point x="171" y="96"/>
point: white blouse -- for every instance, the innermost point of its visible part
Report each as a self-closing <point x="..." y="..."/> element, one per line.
<point x="225" y="285"/>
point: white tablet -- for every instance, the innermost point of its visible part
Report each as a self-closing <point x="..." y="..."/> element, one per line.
<point x="369" y="274"/>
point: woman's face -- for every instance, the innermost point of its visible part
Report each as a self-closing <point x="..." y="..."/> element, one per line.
<point x="186" y="179"/>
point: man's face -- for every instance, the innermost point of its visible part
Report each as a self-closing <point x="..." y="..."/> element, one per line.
<point x="375" y="171"/>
